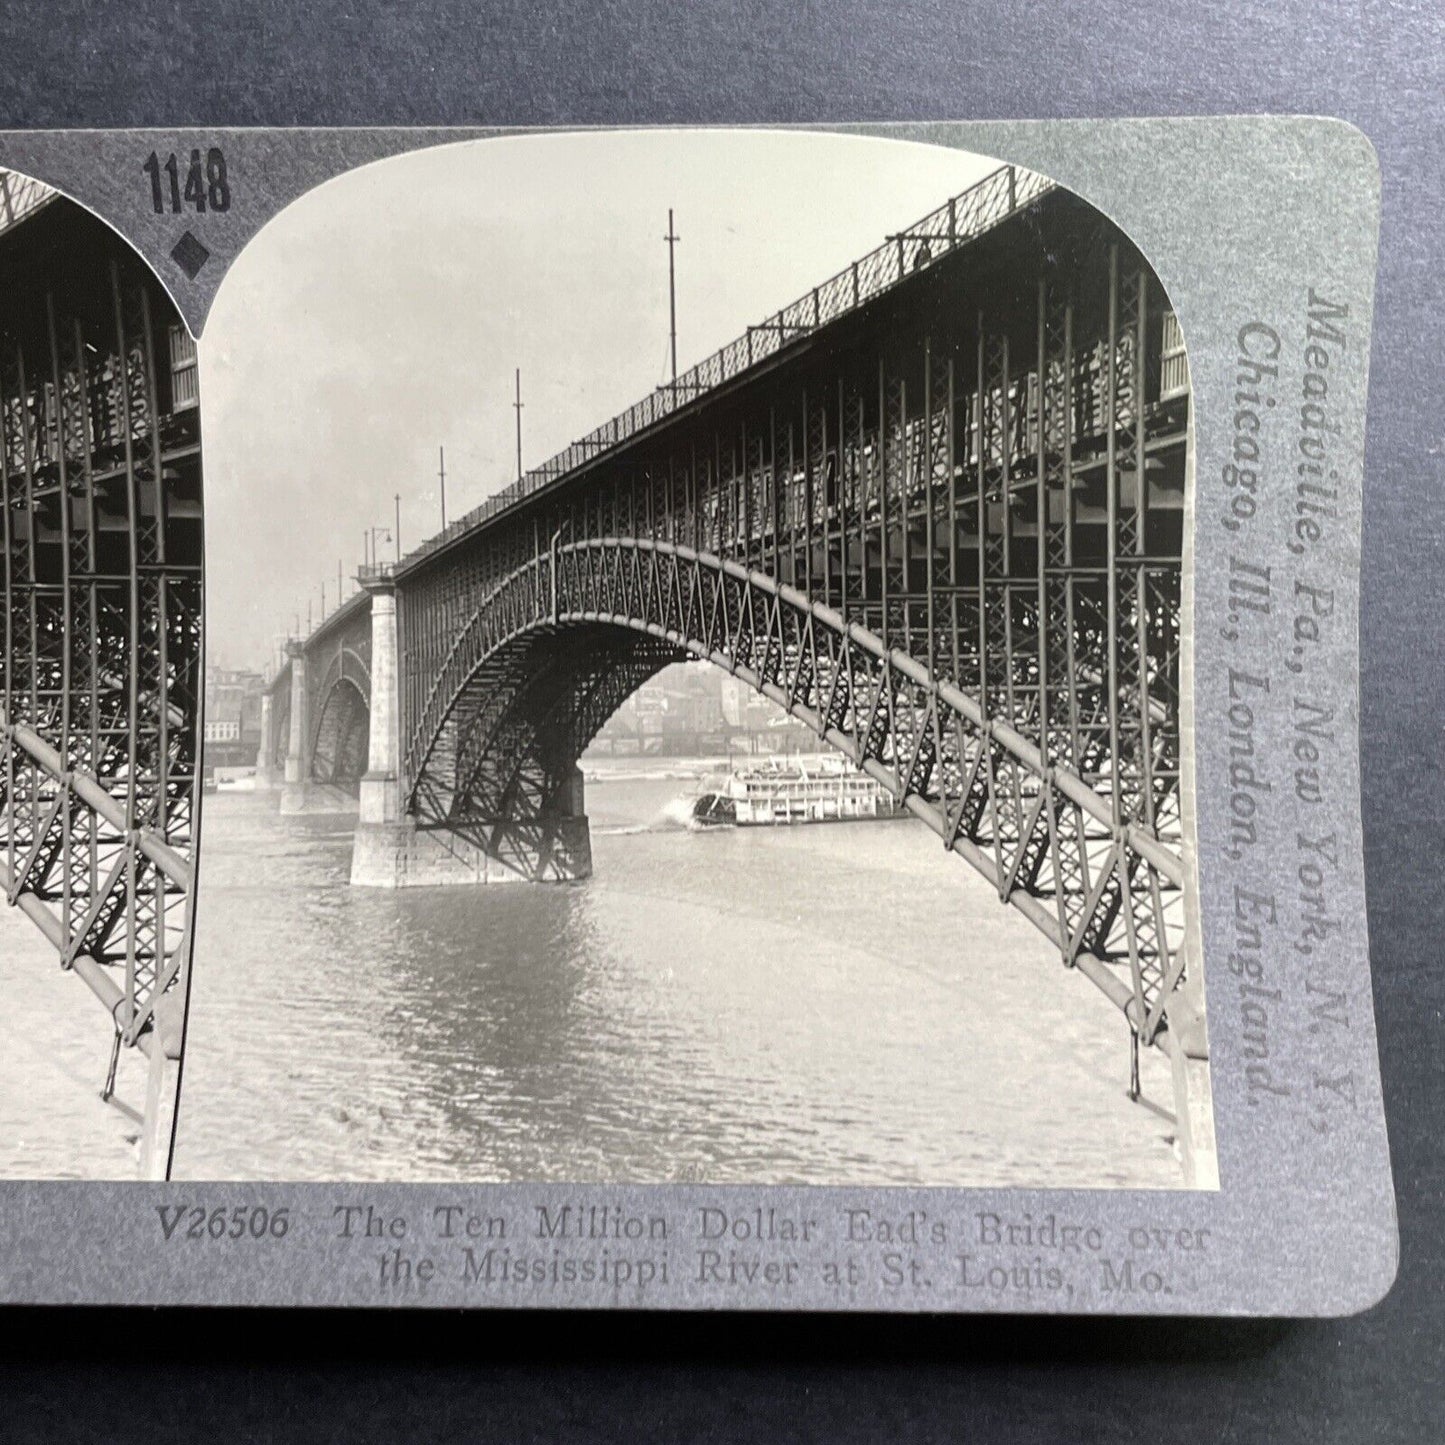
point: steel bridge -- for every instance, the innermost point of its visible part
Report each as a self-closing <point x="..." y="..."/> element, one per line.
<point x="100" y="473"/>
<point x="935" y="509"/>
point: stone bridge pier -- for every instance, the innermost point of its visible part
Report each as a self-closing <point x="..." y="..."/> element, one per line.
<point x="266" y="778"/>
<point x="294" y="790"/>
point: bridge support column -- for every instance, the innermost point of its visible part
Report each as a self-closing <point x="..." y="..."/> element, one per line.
<point x="162" y="1078"/>
<point x="386" y="851"/>
<point x="265" y="772"/>
<point x="293" y="794"/>
<point x="381" y="784"/>
<point x="1188" y="1036"/>
<point x="1187" y="1042"/>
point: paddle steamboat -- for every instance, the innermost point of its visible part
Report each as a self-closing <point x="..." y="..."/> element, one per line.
<point x="791" y="790"/>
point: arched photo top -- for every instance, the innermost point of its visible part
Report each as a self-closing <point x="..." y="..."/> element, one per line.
<point x="896" y="436"/>
<point x="100" y="660"/>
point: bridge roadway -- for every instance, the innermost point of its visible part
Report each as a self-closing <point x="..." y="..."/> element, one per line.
<point x="935" y="509"/>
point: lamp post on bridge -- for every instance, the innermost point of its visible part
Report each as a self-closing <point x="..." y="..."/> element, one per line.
<point x="672" y="239"/>
<point x="517" y="407"/>
<point x="372" y="533"/>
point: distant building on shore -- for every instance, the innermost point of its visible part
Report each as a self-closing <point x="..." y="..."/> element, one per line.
<point x="696" y="709"/>
<point x="232" y="735"/>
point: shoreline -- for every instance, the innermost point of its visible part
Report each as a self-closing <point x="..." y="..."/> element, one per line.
<point x="660" y="769"/>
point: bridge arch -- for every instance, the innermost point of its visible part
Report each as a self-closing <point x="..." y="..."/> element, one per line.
<point x="339" y="737"/>
<point x="501" y="771"/>
<point x="340" y="742"/>
<point x="541" y="665"/>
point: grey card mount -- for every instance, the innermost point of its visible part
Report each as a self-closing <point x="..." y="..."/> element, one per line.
<point x="453" y="576"/>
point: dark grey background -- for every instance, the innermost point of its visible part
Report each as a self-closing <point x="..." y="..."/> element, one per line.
<point x="1379" y="65"/>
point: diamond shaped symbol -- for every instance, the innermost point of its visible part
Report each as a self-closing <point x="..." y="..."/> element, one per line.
<point x="190" y="255"/>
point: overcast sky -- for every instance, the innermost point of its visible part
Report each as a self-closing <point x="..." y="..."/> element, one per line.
<point x="382" y="315"/>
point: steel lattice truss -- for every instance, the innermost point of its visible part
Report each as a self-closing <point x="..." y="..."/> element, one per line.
<point x="505" y="757"/>
<point x="99" y="673"/>
<point x="943" y="527"/>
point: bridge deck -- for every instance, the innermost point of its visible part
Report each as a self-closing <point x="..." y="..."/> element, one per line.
<point x="957" y="223"/>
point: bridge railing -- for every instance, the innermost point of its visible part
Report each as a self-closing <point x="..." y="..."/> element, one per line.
<point x="955" y="223"/>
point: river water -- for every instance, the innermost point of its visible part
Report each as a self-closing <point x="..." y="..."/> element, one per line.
<point x="840" y="1004"/>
